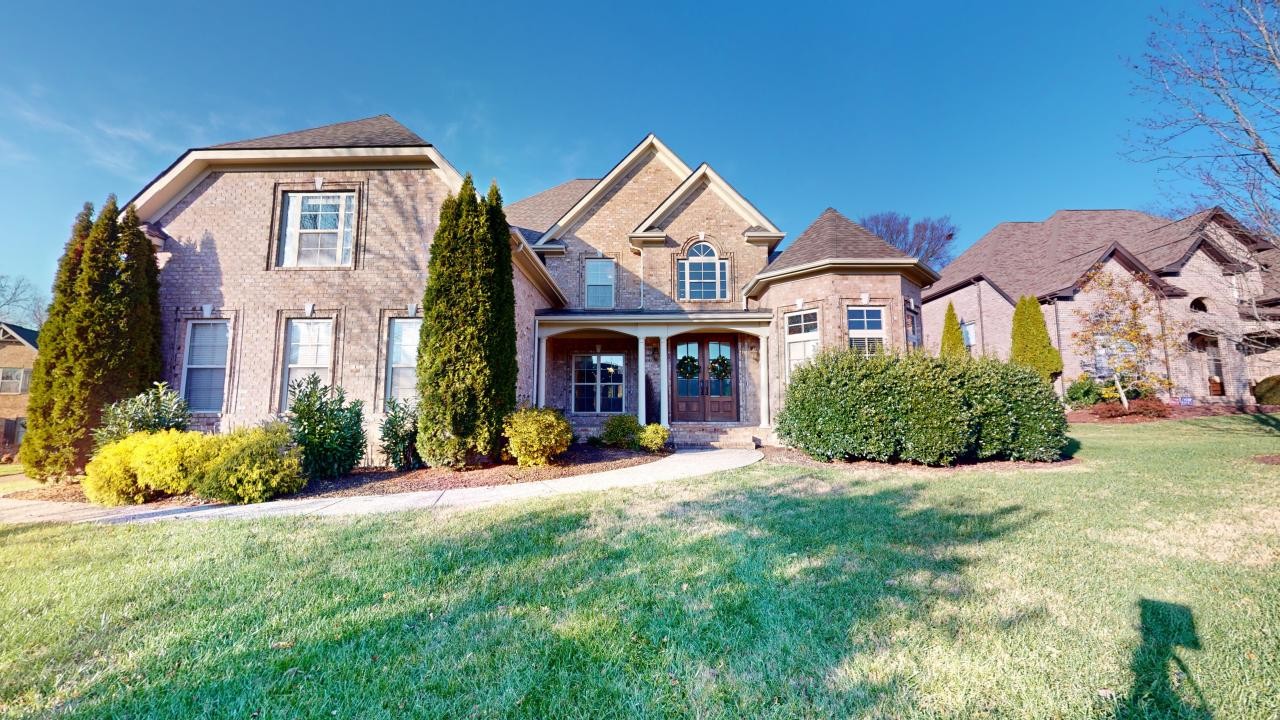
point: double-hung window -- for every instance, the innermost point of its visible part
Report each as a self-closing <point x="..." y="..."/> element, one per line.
<point x="316" y="229"/>
<point x="597" y="383"/>
<point x="601" y="274"/>
<point x="402" y="359"/>
<point x="802" y="338"/>
<point x="14" y="381"/>
<point x="866" y="328"/>
<point x="204" y="373"/>
<point x="969" y="330"/>
<point x="308" y="351"/>
<point x="914" y="338"/>
<point x="702" y="275"/>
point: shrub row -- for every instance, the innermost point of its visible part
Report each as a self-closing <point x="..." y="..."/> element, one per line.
<point x="922" y="409"/>
<point x="1142" y="407"/>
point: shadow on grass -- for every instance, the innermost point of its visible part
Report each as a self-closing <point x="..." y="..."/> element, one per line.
<point x="1162" y="684"/>
<point x="763" y="602"/>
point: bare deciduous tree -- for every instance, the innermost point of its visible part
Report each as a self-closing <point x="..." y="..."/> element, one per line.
<point x="20" y="301"/>
<point x="928" y="238"/>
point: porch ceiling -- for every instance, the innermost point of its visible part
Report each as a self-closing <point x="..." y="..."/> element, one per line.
<point x="645" y="324"/>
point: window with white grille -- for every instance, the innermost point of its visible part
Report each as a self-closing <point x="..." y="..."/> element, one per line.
<point x="802" y="338"/>
<point x="866" y="328"/>
<point x="308" y="351"/>
<point x="316" y="229"/>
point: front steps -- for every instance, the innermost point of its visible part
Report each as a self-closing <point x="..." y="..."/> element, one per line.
<point x="717" y="435"/>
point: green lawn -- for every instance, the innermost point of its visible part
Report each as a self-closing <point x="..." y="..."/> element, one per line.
<point x="9" y="483"/>
<point x="1141" y="581"/>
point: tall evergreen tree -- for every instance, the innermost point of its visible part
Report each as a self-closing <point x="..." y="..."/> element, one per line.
<point x="952" y="335"/>
<point x="106" y="344"/>
<point x="1030" y="345"/>
<point x="466" y="351"/>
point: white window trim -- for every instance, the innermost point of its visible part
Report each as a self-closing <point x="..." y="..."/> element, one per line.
<point x="24" y="382"/>
<point x="186" y="362"/>
<point x="683" y="288"/>
<point x="386" y="392"/>
<point x="573" y="383"/>
<point x="293" y="221"/>
<point x="867" y="334"/>
<point x="814" y="335"/>
<point x="285" y="367"/>
<point x="587" y="285"/>
<point x="970" y="338"/>
<point x="911" y="319"/>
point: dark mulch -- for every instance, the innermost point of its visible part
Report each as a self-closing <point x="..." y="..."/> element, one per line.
<point x="1176" y="412"/>
<point x="1267" y="459"/>
<point x="580" y="459"/>
<point x="791" y="456"/>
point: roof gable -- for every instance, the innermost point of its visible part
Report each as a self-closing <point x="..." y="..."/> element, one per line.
<point x="534" y="214"/>
<point x="706" y="177"/>
<point x="26" y="336"/>
<point x="377" y="131"/>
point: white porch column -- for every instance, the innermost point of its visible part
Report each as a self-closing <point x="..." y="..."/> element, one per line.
<point x="540" y="379"/>
<point x="664" y="392"/>
<point x="764" y="381"/>
<point x="640" y="394"/>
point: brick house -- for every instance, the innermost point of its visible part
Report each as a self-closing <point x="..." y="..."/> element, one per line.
<point x="654" y="290"/>
<point x="18" y="347"/>
<point x="1209" y="272"/>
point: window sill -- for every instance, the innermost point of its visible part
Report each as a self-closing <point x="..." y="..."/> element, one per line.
<point x="311" y="268"/>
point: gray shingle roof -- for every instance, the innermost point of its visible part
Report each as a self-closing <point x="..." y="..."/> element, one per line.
<point x="535" y="214"/>
<point x="833" y="236"/>
<point x="378" y="131"/>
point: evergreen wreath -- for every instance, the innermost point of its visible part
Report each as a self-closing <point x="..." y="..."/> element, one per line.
<point x="720" y="368"/>
<point x="687" y="368"/>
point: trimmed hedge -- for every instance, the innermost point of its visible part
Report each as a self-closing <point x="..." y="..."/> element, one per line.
<point x="921" y="409"/>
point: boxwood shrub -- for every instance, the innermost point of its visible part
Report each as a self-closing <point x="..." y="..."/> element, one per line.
<point x="922" y="409"/>
<point x="536" y="435"/>
<point x="252" y="465"/>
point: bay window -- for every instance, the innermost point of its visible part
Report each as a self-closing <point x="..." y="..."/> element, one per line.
<point x="802" y="338"/>
<point x="866" y="328"/>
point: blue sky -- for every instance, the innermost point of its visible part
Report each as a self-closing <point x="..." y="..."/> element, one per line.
<point x="984" y="111"/>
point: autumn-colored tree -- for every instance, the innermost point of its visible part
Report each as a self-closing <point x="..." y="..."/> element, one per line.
<point x="952" y="336"/>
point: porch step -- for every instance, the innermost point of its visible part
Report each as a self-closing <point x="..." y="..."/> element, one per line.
<point x="716" y="436"/>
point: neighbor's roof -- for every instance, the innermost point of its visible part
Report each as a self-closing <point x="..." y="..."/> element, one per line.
<point x="377" y="131"/>
<point x="532" y="216"/>
<point x="833" y="236"/>
<point x="1040" y="258"/>
<point x="26" y="335"/>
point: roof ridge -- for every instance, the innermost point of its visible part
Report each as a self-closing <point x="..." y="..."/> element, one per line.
<point x="256" y="142"/>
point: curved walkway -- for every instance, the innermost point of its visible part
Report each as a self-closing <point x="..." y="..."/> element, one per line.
<point x="677" y="466"/>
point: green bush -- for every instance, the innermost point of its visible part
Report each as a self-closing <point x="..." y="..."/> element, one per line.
<point x="1267" y="390"/>
<point x="329" y="430"/>
<point x="620" y="431"/>
<point x="921" y="409"/>
<point x="252" y="465"/>
<point x="1083" y="392"/>
<point x="536" y="435"/>
<point x="399" y="433"/>
<point x="167" y="461"/>
<point x="654" y="437"/>
<point x="159" y="408"/>
<point x="110" y="477"/>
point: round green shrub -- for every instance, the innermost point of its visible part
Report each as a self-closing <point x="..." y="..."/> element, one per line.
<point x="536" y="435"/>
<point x="329" y="430"/>
<point x="252" y="465"/>
<point x="160" y="408"/>
<point x="621" y="431"/>
<point x="653" y="437"/>
<point x="110" y="478"/>
<point x="1267" y="390"/>
<point x="1083" y="392"/>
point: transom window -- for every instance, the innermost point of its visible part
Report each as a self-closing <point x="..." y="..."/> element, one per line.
<point x="402" y="359"/>
<point x="597" y="383"/>
<point x="600" y="274"/>
<point x="316" y="229"/>
<point x="802" y="338"/>
<point x="308" y="351"/>
<point x="702" y="275"/>
<point x="866" y="328"/>
<point x="204" y="374"/>
<point x="14" y="381"/>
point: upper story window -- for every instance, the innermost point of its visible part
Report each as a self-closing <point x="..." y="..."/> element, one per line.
<point x="702" y="275"/>
<point x="14" y="381"/>
<point x="970" y="332"/>
<point x="866" y="328"/>
<point x="316" y="229"/>
<point x="402" y="359"/>
<point x="601" y="274"/>
<point x="802" y="338"/>
<point x="204" y="373"/>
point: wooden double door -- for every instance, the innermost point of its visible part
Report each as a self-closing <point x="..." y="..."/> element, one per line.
<point x="704" y="378"/>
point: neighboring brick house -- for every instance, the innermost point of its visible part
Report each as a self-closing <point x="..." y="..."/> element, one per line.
<point x="671" y="276"/>
<point x="1211" y="279"/>
<point x="18" y="346"/>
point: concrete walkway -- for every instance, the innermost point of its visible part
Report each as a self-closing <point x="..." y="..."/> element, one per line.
<point x="677" y="466"/>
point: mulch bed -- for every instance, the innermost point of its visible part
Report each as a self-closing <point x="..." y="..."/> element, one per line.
<point x="1085" y="415"/>
<point x="580" y="459"/>
<point x="1267" y="459"/>
<point x="791" y="456"/>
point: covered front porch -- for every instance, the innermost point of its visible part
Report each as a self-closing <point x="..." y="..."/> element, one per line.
<point x="701" y="374"/>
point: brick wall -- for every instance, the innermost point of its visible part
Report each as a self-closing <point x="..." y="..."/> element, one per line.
<point x="981" y="304"/>
<point x="12" y="407"/>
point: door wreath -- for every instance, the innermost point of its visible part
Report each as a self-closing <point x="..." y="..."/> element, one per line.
<point x="720" y="368"/>
<point x="687" y="368"/>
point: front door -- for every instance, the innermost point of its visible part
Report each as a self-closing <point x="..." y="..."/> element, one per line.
<point x="704" y="379"/>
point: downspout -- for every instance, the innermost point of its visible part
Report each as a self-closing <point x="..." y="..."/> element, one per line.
<point x="641" y="277"/>
<point x="982" y="324"/>
<point x="1057" y="331"/>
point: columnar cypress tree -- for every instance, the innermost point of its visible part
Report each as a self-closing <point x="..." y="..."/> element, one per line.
<point x="1030" y="344"/>
<point x="106" y="341"/>
<point x="952" y="335"/>
<point x="466" y="352"/>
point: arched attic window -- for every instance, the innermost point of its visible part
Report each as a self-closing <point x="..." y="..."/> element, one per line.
<point x="701" y="274"/>
<point x="1199" y="305"/>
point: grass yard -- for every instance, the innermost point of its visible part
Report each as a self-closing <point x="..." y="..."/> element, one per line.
<point x="1141" y="581"/>
<point x="12" y="479"/>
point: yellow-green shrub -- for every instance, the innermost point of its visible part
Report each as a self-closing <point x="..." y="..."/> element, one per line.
<point x="168" y="461"/>
<point x="620" y="431"/>
<point x="110" y="478"/>
<point x="653" y="437"/>
<point x="535" y="435"/>
<point x="252" y="465"/>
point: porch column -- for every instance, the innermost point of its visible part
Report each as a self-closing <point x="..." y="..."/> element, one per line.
<point x="540" y="378"/>
<point x="640" y="394"/>
<point x="664" y="392"/>
<point x="764" y="381"/>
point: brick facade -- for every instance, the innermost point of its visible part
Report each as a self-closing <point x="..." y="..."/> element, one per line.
<point x="13" y="407"/>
